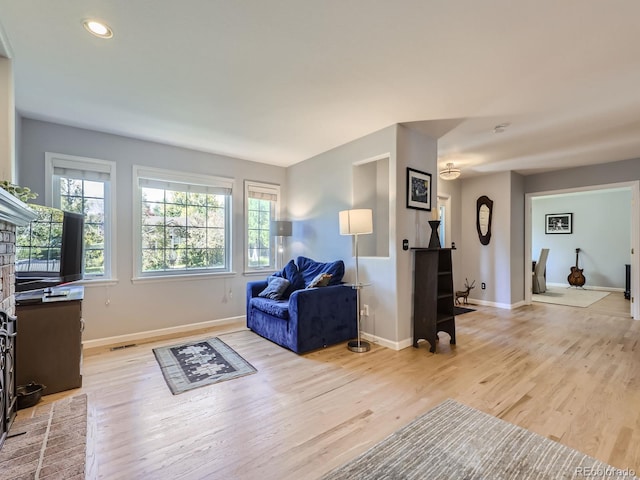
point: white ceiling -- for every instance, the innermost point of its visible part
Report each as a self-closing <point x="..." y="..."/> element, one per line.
<point x="278" y="81"/>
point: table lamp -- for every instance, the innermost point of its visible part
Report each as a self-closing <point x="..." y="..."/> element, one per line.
<point x="281" y="229"/>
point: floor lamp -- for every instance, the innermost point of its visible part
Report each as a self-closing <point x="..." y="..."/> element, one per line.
<point x="357" y="222"/>
<point x="281" y="228"/>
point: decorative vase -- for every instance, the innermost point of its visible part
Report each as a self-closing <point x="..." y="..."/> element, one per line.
<point x="434" y="241"/>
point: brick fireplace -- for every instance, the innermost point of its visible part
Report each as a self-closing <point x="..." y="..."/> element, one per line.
<point x="7" y="266"/>
<point x="12" y="212"/>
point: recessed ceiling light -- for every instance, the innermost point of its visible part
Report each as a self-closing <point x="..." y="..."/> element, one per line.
<point x="98" y="28"/>
<point x="500" y="127"/>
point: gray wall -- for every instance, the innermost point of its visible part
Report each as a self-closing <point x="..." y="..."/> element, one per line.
<point x="418" y="151"/>
<point x="517" y="238"/>
<point x="313" y="193"/>
<point x="371" y="190"/>
<point x="601" y="229"/>
<point x="590" y="175"/>
<point x="496" y="264"/>
<point x="126" y="308"/>
<point x="318" y="189"/>
<point x="322" y="186"/>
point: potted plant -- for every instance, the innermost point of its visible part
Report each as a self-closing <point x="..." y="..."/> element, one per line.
<point x="22" y="193"/>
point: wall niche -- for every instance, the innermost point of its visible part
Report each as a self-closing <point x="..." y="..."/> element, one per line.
<point x="371" y="190"/>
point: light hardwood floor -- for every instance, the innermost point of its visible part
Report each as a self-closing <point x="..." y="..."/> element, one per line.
<point x="571" y="374"/>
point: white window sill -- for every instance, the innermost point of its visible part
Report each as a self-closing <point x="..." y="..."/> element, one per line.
<point x="98" y="282"/>
<point x="182" y="277"/>
<point x="259" y="273"/>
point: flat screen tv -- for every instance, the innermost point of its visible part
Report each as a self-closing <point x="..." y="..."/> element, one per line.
<point x="49" y="250"/>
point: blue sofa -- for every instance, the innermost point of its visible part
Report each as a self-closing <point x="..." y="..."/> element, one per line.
<point x="306" y="318"/>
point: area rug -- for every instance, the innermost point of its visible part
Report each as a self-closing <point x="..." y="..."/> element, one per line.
<point x="203" y="362"/>
<point x="460" y="310"/>
<point x="47" y="442"/>
<point x="453" y="441"/>
<point x="571" y="296"/>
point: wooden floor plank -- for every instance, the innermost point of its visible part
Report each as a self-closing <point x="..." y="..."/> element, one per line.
<point x="571" y="374"/>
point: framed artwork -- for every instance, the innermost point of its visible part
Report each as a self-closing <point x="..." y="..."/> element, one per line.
<point x="418" y="189"/>
<point x="558" y="223"/>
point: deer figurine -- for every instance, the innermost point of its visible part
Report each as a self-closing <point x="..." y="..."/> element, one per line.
<point x="464" y="294"/>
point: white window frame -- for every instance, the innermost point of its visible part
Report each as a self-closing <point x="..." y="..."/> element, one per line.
<point x="104" y="168"/>
<point x="268" y="189"/>
<point x="142" y="173"/>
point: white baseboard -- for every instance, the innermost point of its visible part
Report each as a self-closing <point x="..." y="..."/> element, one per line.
<point x="519" y="304"/>
<point x="133" y="337"/>
<point x="387" y="343"/>
<point x="506" y="306"/>
<point x="408" y="342"/>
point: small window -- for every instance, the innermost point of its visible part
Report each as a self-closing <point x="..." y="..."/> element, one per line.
<point x="86" y="185"/>
<point x="262" y="204"/>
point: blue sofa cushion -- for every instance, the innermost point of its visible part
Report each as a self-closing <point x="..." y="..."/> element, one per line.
<point x="279" y="308"/>
<point x="291" y="273"/>
<point x="275" y="288"/>
<point x="310" y="269"/>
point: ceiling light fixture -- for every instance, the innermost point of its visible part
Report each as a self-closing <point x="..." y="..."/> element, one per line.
<point x="450" y="172"/>
<point x="97" y="28"/>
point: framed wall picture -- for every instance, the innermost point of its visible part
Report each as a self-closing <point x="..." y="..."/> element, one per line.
<point x="418" y="189"/>
<point x="558" y="223"/>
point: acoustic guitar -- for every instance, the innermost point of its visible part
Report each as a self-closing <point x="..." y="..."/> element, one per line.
<point x="576" y="278"/>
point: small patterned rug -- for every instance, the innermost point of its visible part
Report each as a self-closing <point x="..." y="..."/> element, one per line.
<point x="460" y="310"/>
<point x="453" y="441"/>
<point x="199" y="363"/>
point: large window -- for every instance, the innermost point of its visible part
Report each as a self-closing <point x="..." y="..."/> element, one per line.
<point x="261" y="201"/>
<point x="183" y="223"/>
<point x="85" y="185"/>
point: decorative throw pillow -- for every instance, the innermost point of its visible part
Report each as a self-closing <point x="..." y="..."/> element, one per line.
<point x="321" y="280"/>
<point x="310" y="269"/>
<point x="275" y="288"/>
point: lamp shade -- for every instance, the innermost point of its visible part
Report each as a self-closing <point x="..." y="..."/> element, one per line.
<point x="357" y="221"/>
<point x="281" y="228"/>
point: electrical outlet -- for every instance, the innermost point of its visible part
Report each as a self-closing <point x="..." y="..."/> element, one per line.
<point x="365" y="310"/>
<point x="483" y="286"/>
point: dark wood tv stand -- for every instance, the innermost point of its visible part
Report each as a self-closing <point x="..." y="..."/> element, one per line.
<point x="49" y="342"/>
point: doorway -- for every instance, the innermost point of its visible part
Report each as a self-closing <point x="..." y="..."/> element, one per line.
<point x="560" y="243"/>
<point x="444" y="215"/>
